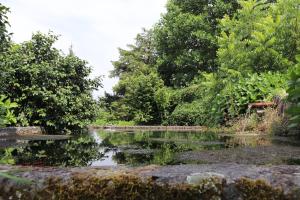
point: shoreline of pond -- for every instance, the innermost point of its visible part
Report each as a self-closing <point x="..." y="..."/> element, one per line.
<point x="40" y="131"/>
<point x="149" y="128"/>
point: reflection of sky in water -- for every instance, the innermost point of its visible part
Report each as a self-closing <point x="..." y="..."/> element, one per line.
<point x="107" y="160"/>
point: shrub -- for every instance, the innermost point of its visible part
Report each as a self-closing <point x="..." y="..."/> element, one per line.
<point x="186" y="114"/>
<point x="52" y="90"/>
<point x="217" y="101"/>
<point x="6" y="114"/>
<point x="294" y="96"/>
<point x="234" y="98"/>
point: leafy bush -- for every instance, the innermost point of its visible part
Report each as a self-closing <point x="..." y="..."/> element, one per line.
<point x="52" y="90"/>
<point x="189" y="114"/>
<point x="139" y="98"/>
<point x="6" y="156"/>
<point x="105" y="119"/>
<point x="234" y="98"/>
<point x="6" y="114"/>
<point x="260" y="37"/>
<point x="220" y="102"/>
<point x="294" y="96"/>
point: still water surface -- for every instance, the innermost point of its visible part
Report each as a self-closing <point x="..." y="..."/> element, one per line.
<point x="111" y="148"/>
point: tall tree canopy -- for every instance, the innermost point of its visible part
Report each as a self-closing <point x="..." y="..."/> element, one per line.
<point x="261" y="37"/>
<point x="186" y="41"/>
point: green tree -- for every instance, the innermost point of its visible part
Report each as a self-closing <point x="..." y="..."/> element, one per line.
<point x="210" y="58"/>
<point x="4" y="40"/>
<point x="185" y="38"/>
<point x="139" y="97"/>
<point x="261" y="37"/>
<point x="134" y="97"/>
<point x="51" y="89"/>
<point x="4" y="35"/>
<point x="140" y="57"/>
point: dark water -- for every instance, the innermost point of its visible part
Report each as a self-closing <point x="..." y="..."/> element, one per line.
<point x="106" y="148"/>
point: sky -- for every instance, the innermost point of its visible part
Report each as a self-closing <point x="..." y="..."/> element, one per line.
<point x="94" y="28"/>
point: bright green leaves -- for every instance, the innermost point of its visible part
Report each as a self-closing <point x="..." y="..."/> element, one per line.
<point x="294" y="95"/>
<point x="6" y="114"/>
<point x="216" y="100"/>
<point x="254" y="40"/>
<point x="6" y="156"/>
<point x="237" y="94"/>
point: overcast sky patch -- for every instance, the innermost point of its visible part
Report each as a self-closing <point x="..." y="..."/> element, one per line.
<point x="95" y="28"/>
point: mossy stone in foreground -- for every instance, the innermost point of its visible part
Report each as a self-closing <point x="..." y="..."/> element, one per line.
<point x="252" y="190"/>
<point x="130" y="187"/>
<point x="125" y="187"/>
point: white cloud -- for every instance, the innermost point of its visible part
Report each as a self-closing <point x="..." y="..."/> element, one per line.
<point x="95" y="28"/>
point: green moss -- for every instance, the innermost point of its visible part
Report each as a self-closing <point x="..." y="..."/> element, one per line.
<point x="259" y="190"/>
<point x="125" y="187"/>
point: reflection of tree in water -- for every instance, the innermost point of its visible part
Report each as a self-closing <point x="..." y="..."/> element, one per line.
<point x="161" y="153"/>
<point x="119" y="138"/>
<point x="75" y="152"/>
<point x="132" y="158"/>
<point x="154" y="147"/>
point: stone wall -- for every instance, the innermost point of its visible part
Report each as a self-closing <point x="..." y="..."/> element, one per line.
<point x="22" y="131"/>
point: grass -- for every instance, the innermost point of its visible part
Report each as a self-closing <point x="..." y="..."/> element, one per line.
<point x="103" y="122"/>
<point x="270" y="122"/>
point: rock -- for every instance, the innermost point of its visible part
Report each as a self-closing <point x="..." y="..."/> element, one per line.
<point x="231" y="181"/>
<point x="22" y="131"/>
<point x="197" y="178"/>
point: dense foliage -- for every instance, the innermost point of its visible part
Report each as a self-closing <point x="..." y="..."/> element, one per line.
<point x="294" y="96"/>
<point x="51" y="89"/>
<point x="260" y="37"/>
<point x="4" y="35"/>
<point x="186" y="38"/>
<point x="135" y="92"/>
<point x="202" y="63"/>
<point x="205" y="61"/>
<point x="6" y="115"/>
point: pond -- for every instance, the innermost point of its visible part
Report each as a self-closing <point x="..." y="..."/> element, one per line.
<point x="136" y="148"/>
